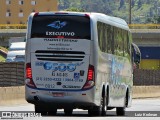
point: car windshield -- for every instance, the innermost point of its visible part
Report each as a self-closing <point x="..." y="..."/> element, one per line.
<point x="16" y="49"/>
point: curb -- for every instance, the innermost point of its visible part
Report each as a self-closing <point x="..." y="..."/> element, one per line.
<point x="146" y="91"/>
<point x="12" y="95"/>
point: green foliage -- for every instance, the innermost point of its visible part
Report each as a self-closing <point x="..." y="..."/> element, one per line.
<point x="4" y="49"/>
<point x="139" y="3"/>
<point x="121" y="4"/>
<point x="143" y="11"/>
<point x="75" y="9"/>
<point x="2" y="59"/>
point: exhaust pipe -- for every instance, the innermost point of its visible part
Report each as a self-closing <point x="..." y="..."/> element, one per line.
<point x="36" y="98"/>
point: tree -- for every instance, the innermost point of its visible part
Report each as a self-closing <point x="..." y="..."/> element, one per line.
<point x="149" y="20"/>
<point x="63" y="4"/>
<point x="157" y="19"/>
<point x="139" y="4"/>
<point x="132" y="3"/>
<point x="148" y="2"/>
<point x="121" y="4"/>
<point x="66" y="4"/>
<point x="75" y="9"/>
<point x="151" y="12"/>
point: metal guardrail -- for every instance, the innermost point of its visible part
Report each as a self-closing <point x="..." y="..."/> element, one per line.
<point x="132" y="26"/>
<point x="144" y="26"/>
<point x="13" y="26"/>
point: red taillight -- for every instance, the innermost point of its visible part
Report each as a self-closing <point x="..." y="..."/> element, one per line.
<point x="61" y="13"/>
<point x="87" y="15"/>
<point x="29" y="80"/>
<point x="36" y="14"/>
<point x="90" y="74"/>
<point x="90" y="78"/>
<point x="28" y="71"/>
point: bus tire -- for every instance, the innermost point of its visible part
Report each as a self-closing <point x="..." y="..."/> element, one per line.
<point x="104" y="103"/>
<point x="52" y="112"/>
<point x="95" y="111"/>
<point x="68" y="112"/>
<point x="39" y="109"/>
<point x="104" y="107"/>
<point x="121" y="110"/>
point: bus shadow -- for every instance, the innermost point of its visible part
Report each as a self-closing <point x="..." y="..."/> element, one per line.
<point x="82" y="114"/>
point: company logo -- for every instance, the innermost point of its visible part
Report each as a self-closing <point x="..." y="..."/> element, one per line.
<point x="48" y="66"/>
<point x="57" y="24"/>
<point x="61" y="66"/>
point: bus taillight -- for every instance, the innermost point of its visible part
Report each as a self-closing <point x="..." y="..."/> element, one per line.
<point x="28" y="71"/>
<point x="29" y="80"/>
<point x="90" y="74"/>
<point x="36" y="14"/>
<point x="87" y="15"/>
<point x="90" y="78"/>
<point x="61" y="13"/>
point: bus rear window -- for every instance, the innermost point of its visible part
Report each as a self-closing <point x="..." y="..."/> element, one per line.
<point x="76" y="27"/>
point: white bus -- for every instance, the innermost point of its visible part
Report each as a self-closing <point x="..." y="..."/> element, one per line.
<point x="78" y="60"/>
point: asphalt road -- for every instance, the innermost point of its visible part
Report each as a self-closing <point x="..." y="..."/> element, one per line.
<point x="144" y="109"/>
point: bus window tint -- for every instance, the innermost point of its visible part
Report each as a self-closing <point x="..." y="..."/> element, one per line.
<point x="113" y="40"/>
<point x="49" y="26"/>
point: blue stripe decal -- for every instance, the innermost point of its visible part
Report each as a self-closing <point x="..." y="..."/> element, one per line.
<point x="58" y="89"/>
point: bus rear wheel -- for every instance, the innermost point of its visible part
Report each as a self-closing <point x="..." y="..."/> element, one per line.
<point x="68" y="112"/>
<point x="39" y="109"/>
<point x="95" y="111"/>
<point x="52" y="112"/>
<point x="104" y="101"/>
<point x="98" y="110"/>
<point x="121" y="110"/>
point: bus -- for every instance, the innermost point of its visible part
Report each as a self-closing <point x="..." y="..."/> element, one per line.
<point x="78" y="60"/>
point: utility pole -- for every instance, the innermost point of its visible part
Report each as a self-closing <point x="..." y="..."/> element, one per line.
<point x="130" y="13"/>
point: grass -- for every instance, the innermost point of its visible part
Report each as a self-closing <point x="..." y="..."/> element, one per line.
<point x="4" y="49"/>
<point x="2" y="59"/>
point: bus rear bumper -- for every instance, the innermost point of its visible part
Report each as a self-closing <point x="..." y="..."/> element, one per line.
<point x="61" y="99"/>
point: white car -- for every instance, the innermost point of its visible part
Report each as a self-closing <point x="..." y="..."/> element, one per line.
<point x="16" y="52"/>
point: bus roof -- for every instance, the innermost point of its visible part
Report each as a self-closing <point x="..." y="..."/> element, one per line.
<point x="115" y="21"/>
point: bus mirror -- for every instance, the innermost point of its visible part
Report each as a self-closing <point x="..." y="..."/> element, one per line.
<point x="137" y="58"/>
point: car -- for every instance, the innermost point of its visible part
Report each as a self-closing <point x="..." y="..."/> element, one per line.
<point x="16" y="52"/>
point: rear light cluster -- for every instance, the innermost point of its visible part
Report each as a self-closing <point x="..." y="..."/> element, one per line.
<point x="87" y="16"/>
<point x="29" y="80"/>
<point x="28" y="71"/>
<point x="61" y="13"/>
<point x="36" y="14"/>
<point x="90" y="78"/>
